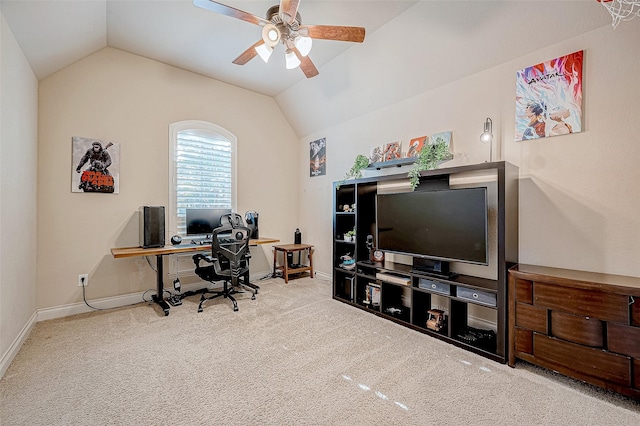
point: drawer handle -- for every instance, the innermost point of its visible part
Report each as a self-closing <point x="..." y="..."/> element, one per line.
<point x="475" y="295"/>
<point x="433" y="286"/>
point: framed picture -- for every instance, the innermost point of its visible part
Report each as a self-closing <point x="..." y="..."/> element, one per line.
<point x="549" y="98"/>
<point x="375" y="154"/>
<point x="415" y="146"/>
<point x="392" y="151"/>
<point x="318" y="158"/>
<point x="441" y="137"/>
<point x="96" y="166"/>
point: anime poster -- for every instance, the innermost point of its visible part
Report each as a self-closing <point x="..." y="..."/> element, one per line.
<point x="96" y="166"/>
<point x="549" y="98"/>
<point x="318" y="158"/>
<point x="416" y="145"/>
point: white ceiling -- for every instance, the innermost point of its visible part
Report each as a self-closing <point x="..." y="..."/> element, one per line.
<point x="56" y="33"/>
<point x="410" y="47"/>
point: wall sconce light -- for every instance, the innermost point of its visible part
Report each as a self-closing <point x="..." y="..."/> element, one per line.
<point x="487" y="136"/>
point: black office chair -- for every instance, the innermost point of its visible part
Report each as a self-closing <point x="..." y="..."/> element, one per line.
<point x="232" y="219"/>
<point x="229" y="263"/>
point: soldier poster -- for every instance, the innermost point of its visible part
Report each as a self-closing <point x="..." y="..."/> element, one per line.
<point x="96" y="166"/>
<point x="318" y="158"/>
<point x="549" y="98"/>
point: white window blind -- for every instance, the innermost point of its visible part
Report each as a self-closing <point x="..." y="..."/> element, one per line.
<point x="203" y="175"/>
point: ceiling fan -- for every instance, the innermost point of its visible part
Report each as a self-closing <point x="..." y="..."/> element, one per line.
<point x="283" y="24"/>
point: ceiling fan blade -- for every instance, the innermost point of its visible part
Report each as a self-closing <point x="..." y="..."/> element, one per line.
<point x="230" y="11"/>
<point x="307" y="67"/>
<point x="248" y="54"/>
<point x="288" y="10"/>
<point x="332" y="32"/>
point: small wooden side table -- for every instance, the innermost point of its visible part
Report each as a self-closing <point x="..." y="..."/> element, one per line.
<point x="291" y="248"/>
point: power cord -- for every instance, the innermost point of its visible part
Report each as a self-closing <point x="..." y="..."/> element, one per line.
<point x="84" y="297"/>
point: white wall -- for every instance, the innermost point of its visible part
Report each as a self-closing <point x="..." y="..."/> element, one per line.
<point x="579" y="194"/>
<point x="116" y="96"/>
<point x="18" y="172"/>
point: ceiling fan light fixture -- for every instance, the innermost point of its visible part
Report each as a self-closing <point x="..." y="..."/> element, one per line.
<point x="265" y="51"/>
<point x="291" y="60"/>
<point x="270" y="35"/>
<point x="303" y="44"/>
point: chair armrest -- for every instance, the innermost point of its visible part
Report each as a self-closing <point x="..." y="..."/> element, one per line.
<point x="198" y="257"/>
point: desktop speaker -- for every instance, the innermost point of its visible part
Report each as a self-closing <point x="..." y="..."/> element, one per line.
<point x="251" y="218"/>
<point x="151" y="226"/>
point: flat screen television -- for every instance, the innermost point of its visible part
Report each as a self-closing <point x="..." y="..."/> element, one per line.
<point x="204" y="221"/>
<point x="443" y="225"/>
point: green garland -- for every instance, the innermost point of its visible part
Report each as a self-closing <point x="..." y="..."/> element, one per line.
<point x="428" y="158"/>
<point x="355" y="172"/>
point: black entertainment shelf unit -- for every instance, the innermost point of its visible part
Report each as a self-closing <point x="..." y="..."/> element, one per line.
<point x="404" y="294"/>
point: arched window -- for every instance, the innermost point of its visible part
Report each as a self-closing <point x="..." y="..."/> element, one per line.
<point x="202" y="171"/>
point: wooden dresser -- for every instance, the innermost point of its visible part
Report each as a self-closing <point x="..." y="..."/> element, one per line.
<point x="581" y="324"/>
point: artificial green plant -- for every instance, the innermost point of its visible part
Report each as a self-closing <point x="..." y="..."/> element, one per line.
<point x="428" y="158"/>
<point x="355" y="172"/>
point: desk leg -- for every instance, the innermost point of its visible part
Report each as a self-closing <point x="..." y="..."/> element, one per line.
<point x="275" y="257"/>
<point x="285" y="260"/>
<point x="159" y="297"/>
<point x="311" y="261"/>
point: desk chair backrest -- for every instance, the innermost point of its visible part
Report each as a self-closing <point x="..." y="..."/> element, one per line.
<point x="232" y="219"/>
<point x="235" y="251"/>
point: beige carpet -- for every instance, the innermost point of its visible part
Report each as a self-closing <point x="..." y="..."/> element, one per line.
<point x="293" y="356"/>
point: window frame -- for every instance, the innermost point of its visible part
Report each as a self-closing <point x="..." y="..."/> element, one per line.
<point x="207" y="129"/>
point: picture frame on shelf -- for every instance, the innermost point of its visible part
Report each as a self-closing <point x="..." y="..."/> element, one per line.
<point x="375" y="154"/>
<point x="392" y="151"/>
<point x="416" y="145"/>
<point x="442" y="137"/>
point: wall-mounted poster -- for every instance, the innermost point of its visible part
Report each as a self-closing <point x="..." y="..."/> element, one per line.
<point x="549" y="98"/>
<point x="318" y="157"/>
<point x="96" y="166"/>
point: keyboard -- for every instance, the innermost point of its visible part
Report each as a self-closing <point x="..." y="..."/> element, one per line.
<point x="209" y="242"/>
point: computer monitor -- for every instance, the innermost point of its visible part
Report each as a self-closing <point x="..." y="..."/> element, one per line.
<point x="204" y="221"/>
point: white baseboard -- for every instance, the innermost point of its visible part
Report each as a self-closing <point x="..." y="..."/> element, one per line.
<point x="117" y="301"/>
<point x="104" y="303"/>
<point x="13" y="350"/>
<point x="323" y="276"/>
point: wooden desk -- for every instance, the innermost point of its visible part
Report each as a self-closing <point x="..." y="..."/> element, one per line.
<point x="291" y="248"/>
<point x="158" y="252"/>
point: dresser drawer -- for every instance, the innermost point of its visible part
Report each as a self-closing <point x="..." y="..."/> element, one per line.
<point x="587" y="303"/>
<point x="435" y="286"/>
<point x="573" y="328"/>
<point x="478" y="296"/>
<point x="594" y="362"/>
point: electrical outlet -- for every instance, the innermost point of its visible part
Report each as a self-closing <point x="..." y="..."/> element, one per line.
<point x="83" y="280"/>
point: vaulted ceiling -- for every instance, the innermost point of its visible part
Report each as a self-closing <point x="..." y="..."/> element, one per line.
<point x="55" y="33"/>
<point x="410" y="46"/>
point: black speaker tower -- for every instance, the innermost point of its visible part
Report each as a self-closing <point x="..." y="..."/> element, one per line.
<point x="151" y="226"/>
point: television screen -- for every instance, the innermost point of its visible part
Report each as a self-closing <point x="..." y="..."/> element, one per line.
<point x="204" y="221"/>
<point x="448" y="225"/>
